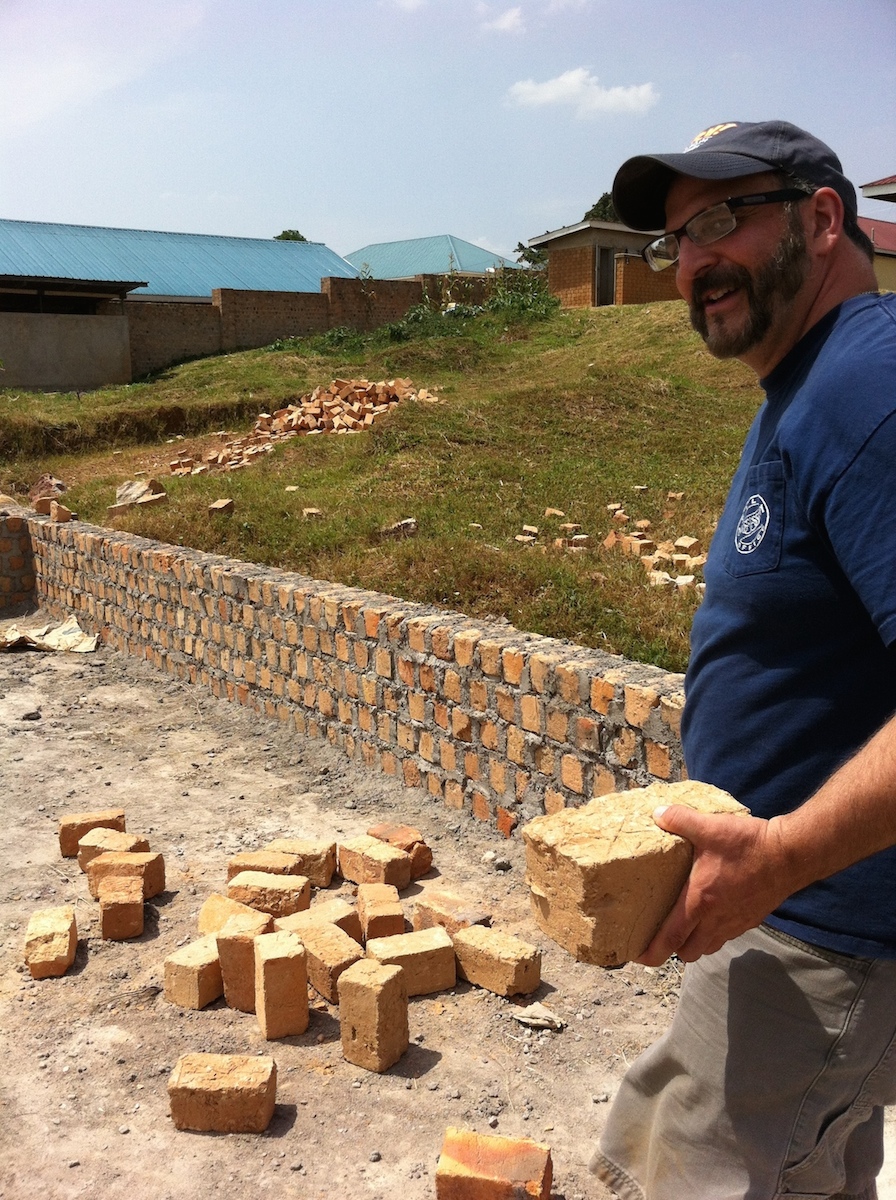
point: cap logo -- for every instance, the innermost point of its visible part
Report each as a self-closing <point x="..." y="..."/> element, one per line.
<point x="705" y="136"/>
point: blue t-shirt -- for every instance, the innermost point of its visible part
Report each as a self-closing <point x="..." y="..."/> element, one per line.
<point x="793" y="651"/>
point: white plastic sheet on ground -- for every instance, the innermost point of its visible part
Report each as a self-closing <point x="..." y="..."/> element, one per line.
<point x="69" y="636"/>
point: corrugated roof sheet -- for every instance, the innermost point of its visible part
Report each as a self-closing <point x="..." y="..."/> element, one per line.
<point x="175" y="264"/>
<point x="425" y="256"/>
<point x="882" y="233"/>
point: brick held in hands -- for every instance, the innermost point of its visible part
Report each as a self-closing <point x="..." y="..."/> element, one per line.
<point x="373" y="1015"/>
<point x="121" y="907"/>
<point x="498" y="962"/>
<point x="223" y="1093"/>
<point x="317" y="858"/>
<point x="271" y="862"/>
<point x="366" y="859"/>
<point x="73" y="826"/>
<point x="281" y="985"/>
<point x="100" y="841"/>
<point x="149" y="867"/>
<point x="325" y="912"/>
<point x="278" y="895"/>
<point x="481" y="1166"/>
<point x="427" y="958"/>
<point x="192" y="974"/>
<point x="438" y="906"/>
<point x="236" y="951"/>
<point x="51" y="941"/>
<point x="330" y="951"/>
<point x="603" y="877"/>
<point x="379" y="910"/>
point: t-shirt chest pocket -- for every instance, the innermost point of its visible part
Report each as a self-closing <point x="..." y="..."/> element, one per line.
<point x="754" y="543"/>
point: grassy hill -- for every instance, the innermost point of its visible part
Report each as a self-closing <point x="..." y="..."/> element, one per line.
<point x="575" y="411"/>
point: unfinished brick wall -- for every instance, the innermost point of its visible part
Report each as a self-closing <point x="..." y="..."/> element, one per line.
<point x="571" y="275"/>
<point x="636" y="283"/>
<point x="503" y="724"/>
<point x="366" y="304"/>
<point x="258" y="318"/>
<point x="17" y="582"/>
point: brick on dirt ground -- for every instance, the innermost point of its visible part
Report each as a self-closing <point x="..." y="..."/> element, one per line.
<point x="478" y="1166"/>
<point x="330" y="951"/>
<point x="73" y="826"/>
<point x="603" y="877"/>
<point x="271" y="862"/>
<point x="121" y="907"/>
<point x="51" y="941"/>
<point x="408" y="839"/>
<point x="330" y="912"/>
<point x="437" y="906"/>
<point x="380" y="911"/>
<point x="366" y="859"/>
<point x="223" y="1093"/>
<point x="317" y="858"/>
<point x="277" y="895"/>
<point x="236" y="952"/>
<point x="373" y="1015"/>
<point x="427" y="958"/>
<point x="498" y="962"/>
<point x="192" y="974"/>
<point x="217" y="910"/>
<point x="101" y="840"/>
<point x="281" y="985"/>
<point x="149" y="867"/>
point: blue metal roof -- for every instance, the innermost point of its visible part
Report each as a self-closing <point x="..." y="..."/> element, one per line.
<point x="175" y="264"/>
<point x="425" y="256"/>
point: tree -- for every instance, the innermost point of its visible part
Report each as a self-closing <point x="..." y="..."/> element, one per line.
<point x="530" y="257"/>
<point x="290" y="235"/>
<point x="603" y="210"/>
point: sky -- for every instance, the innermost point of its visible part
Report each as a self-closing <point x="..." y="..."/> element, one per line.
<point x="361" y="121"/>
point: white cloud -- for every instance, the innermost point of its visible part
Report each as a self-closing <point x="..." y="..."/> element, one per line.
<point x="510" y="21"/>
<point x="54" y="60"/>
<point x="581" y="91"/>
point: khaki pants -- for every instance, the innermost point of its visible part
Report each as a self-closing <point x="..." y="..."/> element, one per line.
<point x="770" y="1082"/>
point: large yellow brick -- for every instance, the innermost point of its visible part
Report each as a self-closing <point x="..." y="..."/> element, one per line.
<point x="426" y="956"/>
<point x="272" y="862"/>
<point x="366" y="859"/>
<point x="380" y="911"/>
<point x="73" y="826"/>
<point x="217" y="911"/>
<point x="281" y="985"/>
<point x="236" y="951"/>
<point x="437" y="906"/>
<point x="603" y="877"/>
<point x="330" y="951"/>
<point x="481" y="1166"/>
<point x="406" y="838"/>
<point x="329" y="912"/>
<point x="121" y="907"/>
<point x="317" y="857"/>
<point x="640" y="701"/>
<point x="497" y="961"/>
<point x="149" y="867"/>
<point x="192" y="974"/>
<point x="278" y="895"/>
<point x="51" y="941"/>
<point x="373" y="1014"/>
<point x="223" y="1093"/>
<point x="100" y="840"/>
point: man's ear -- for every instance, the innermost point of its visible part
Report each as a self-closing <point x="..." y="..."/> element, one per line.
<point x="825" y="222"/>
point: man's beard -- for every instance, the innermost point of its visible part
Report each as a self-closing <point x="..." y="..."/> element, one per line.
<point x="774" y="285"/>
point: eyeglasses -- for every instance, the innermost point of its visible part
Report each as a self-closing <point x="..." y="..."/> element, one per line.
<point x="710" y="225"/>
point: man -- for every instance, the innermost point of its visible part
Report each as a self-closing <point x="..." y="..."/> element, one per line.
<point x="772" y="1078"/>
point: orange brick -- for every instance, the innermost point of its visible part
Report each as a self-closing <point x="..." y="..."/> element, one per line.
<point x="572" y="773"/>
<point x="373" y="1014"/>
<point x="281" y="985"/>
<point x="51" y="941"/>
<point x="73" y="826"/>
<point x="223" y="1093"/>
<point x="513" y="663"/>
<point x="192" y="974"/>
<point x="531" y="713"/>
<point x="426" y="956"/>
<point x="659" y="759"/>
<point x="380" y="911"/>
<point x="465" y="644"/>
<point x="640" y="702"/>
<point x="477" y="1166"/>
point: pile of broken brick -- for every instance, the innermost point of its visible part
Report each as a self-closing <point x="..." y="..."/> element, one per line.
<point x="262" y="941"/>
<point x="344" y="406"/>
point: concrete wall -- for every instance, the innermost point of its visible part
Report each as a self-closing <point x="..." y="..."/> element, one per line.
<point x="487" y="719"/>
<point x="58" y="352"/>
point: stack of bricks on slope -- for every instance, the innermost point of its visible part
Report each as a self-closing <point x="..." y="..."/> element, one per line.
<point x="503" y="724"/>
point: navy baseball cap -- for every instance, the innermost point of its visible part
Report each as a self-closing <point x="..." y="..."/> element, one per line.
<point x="726" y="151"/>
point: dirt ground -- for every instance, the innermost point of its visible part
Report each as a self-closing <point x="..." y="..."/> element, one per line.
<point x="86" y="1058"/>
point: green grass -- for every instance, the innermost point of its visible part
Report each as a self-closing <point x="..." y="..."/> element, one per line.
<point x="573" y="411"/>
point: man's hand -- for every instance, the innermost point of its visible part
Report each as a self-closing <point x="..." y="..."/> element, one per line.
<point x="739" y="875"/>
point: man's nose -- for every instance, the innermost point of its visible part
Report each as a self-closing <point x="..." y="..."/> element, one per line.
<point x="693" y="261"/>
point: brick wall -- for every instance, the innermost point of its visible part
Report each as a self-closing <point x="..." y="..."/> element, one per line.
<point x="167" y="332"/>
<point x="17" y="582"/>
<point x="636" y="283"/>
<point x="258" y="318"/>
<point x="368" y="303"/>
<point x="502" y="724"/>
<point x="571" y="275"/>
